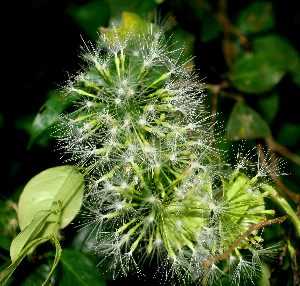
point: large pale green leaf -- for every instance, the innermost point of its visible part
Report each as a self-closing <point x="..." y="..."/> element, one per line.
<point x="44" y="190"/>
<point x="257" y="17"/>
<point x="28" y="233"/>
<point x="256" y="74"/>
<point x="245" y="123"/>
<point x="77" y="269"/>
<point x="47" y="116"/>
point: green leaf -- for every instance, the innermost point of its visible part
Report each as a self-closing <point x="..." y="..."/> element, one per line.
<point x="245" y="123"/>
<point x="77" y="269"/>
<point x="58" y="252"/>
<point x="28" y="233"/>
<point x="269" y="106"/>
<point x="255" y="74"/>
<point x="257" y="17"/>
<point x="90" y="16"/>
<point x="37" y="277"/>
<point x="141" y="8"/>
<point x="46" y="189"/>
<point x="278" y="49"/>
<point x="265" y="275"/>
<point x="47" y="116"/>
<point x="130" y="22"/>
<point x="283" y="204"/>
<point x="6" y="273"/>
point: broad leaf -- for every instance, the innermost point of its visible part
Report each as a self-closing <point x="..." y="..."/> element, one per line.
<point x="6" y="273"/>
<point x="245" y="123"/>
<point x="256" y="74"/>
<point x="77" y="269"/>
<point x="279" y="49"/>
<point x="257" y="17"/>
<point x="44" y="190"/>
<point x="37" y="276"/>
<point x="47" y="116"/>
<point x="28" y="233"/>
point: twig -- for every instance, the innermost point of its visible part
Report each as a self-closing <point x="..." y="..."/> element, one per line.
<point x="272" y="144"/>
<point x="225" y="255"/>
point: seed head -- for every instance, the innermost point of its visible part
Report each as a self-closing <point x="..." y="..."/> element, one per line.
<point x="140" y="133"/>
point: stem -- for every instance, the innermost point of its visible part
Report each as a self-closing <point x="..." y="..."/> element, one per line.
<point x="225" y="255"/>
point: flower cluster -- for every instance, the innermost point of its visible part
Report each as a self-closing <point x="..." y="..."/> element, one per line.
<point x="156" y="188"/>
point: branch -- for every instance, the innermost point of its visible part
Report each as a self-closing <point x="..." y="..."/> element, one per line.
<point x="272" y="144"/>
<point x="225" y="255"/>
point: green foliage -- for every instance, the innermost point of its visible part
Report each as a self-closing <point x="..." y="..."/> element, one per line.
<point x="46" y="117"/>
<point x="257" y="17"/>
<point x="76" y="268"/>
<point x="255" y="74"/>
<point x="245" y="123"/>
<point x="258" y="42"/>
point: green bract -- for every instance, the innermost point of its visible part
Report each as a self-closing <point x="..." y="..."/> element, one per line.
<point x="155" y="186"/>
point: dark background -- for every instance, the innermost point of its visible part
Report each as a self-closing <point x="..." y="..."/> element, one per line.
<point x="40" y="42"/>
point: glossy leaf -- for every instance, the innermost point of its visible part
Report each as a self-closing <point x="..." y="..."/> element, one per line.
<point x="28" y="233"/>
<point x="245" y="123"/>
<point x="255" y="74"/>
<point x="47" y="188"/>
<point x="278" y="49"/>
<point x="257" y="17"/>
<point x="47" y="116"/>
<point x="77" y="269"/>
